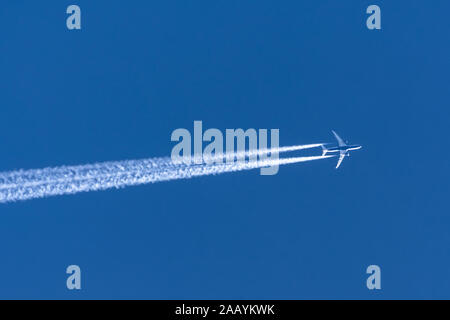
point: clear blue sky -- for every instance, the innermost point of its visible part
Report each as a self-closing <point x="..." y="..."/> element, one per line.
<point x="138" y="70"/>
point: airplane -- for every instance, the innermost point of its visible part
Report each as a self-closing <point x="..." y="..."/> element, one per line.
<point x="343" y="149"/>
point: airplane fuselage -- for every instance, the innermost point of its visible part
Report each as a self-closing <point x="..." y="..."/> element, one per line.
<point x="344" y="148"/>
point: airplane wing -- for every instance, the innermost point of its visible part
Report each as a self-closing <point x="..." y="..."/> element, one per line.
<point x="339" y="140"/>
<point x="341" y="157"/>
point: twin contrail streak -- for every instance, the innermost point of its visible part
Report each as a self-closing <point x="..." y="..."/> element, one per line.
<point x="39" y="183"/>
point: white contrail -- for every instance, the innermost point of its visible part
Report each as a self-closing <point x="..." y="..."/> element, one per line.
<point x="11" y="179"/>
<point x="39" y="183"/>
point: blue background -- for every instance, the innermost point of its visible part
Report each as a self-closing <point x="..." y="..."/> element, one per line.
<point x="136" y="71"/>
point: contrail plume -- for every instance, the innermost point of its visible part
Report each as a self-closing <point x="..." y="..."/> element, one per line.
<point x="30" y="177"/>
<point x="39" y="183"/>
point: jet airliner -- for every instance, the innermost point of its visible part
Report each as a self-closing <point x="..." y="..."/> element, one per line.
<point x="343" y="149"/>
